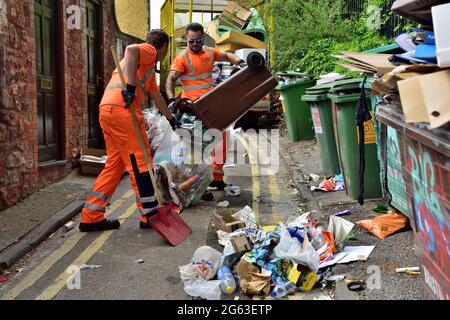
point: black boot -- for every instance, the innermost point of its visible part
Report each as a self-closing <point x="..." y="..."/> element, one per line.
<point x="147" y="225"/>
<point x="99" y="226"/>
<point x="218" y="184"/>
<point x="208" y="196"/>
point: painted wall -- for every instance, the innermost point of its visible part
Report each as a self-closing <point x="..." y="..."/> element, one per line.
<point x="427" y="178"/>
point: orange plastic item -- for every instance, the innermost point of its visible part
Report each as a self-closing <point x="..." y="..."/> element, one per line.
<point x="186" y="184"/>
<point x="386" y="224"/>
<point x="328" y="238"/>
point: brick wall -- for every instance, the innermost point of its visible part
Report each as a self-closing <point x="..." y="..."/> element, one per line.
<point x="20" y="174"/>
<point x="18" y="111"/>
<point x="76" y="121"/>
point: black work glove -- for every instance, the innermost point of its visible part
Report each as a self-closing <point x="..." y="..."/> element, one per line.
<point x="173" y="122"/>
<point x="128" y="95"/>
<point x="242" y="64"/>
<point x="172" y="105"/>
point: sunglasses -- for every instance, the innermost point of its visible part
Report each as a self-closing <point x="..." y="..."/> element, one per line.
<point x="196" y="41"/>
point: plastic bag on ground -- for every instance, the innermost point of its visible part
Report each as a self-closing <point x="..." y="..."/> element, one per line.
<point x="298" y="221"/>
<point x="328" y="185"/>
<point x="248" y="216"/>
<point x="327" y="250"/>
<point x="385" y="225"/>
<point x="198" y="287"/>
<point x="233" y="191"/>
<point x="205" y="264"/>
<point x="228" y="249"/>
<point x="291" y="248"/>
<point x="340" y="229"/>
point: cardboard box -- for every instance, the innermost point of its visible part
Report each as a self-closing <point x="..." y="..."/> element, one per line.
<point x="240" y="243"/>
<point x="92" y="161"/>
<point x="426" y="98"/>
<point x="180" y="32"/>
<point x="223" y="220"/>
<point x="235" y="16"/>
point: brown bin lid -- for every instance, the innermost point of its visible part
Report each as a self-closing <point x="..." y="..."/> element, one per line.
<point x="230" y="100"/>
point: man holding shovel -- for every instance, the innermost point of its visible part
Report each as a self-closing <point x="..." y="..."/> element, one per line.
<point x="122" y="145"/>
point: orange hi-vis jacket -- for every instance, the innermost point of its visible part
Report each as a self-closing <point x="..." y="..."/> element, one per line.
<point x="122" y="145"/>
<point x="196" y="79"/>
<point x="146" y="80"/>
<point x="196" y="71"/>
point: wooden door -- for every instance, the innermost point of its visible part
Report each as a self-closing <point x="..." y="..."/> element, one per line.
<point x="94" y="88"/>
<point x="49" y="108"/>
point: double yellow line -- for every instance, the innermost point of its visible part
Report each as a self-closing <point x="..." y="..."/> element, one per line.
<point x="38" y="272"/>
<point x="272" y="185"/>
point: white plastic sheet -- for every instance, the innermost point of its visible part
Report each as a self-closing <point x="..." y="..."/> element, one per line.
<point x="205" y="264"/>
<point x="248" y="216"/>
<point x="291" y="248"/>
<point x="340" y="229"/>
<point x="209" y="290"/>
<point x="299" y="221"/>
<point x="349" y="254"/>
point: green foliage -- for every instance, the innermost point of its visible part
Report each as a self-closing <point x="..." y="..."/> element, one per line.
<point x="308" y="33"/>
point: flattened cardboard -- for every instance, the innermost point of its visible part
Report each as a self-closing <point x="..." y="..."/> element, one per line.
<point x="223" y="220"/>
<point x="355" y="68"/>
<point x="373" y="62"/>
<point x="376" y="60"/>
<point x="426" y="98"/>
<point x="241" y="243"/>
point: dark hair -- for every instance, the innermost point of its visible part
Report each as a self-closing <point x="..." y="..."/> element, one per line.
<point x="195" y="27"/>
<point x="157" y="38"/>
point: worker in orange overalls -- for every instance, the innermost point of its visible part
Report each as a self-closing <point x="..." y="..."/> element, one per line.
<point x="122" y="144"/>
<point x="194" y="68"/>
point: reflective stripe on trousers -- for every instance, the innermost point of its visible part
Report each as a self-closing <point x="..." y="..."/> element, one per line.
<point x="124" y="152"/>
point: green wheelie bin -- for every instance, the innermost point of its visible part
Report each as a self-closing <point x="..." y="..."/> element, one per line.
<point x="297" y="113"/>
<point x="322" y="116"/>
<point x="345" y="96"/>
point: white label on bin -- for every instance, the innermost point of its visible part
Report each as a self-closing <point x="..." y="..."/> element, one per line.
<point x="316" y="120"/>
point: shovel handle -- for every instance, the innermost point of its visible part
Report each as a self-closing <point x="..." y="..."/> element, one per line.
<point x="158" y="194"/>
<point x="117" y="63"/>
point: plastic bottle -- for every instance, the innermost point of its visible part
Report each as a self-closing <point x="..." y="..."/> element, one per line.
<point x="283" y="290"/>
<point x="228" y="284"/>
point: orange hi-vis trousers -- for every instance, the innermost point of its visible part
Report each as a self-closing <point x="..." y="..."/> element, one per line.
<point x="220" y="159"/>
<point x="124" y="152"/>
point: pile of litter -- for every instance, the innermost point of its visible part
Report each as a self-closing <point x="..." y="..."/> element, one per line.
<point x="181" y="180"/>
<point x="271" y="261"/>
<point x="327" y="185"/>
